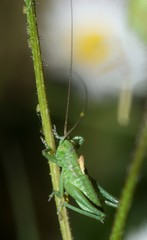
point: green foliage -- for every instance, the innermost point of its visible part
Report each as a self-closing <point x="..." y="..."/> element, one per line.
<point x="138" y="17"/>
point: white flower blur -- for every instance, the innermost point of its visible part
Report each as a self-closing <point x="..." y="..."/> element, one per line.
<point x="108" y="55"/>
<point x="138" y="233"/>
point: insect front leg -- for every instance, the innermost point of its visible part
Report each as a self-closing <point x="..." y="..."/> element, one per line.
<point x="56" y="134"/>
<point x="48" y="152"/>
<point x="49" y="156"/>
<point x="78" y="141"/>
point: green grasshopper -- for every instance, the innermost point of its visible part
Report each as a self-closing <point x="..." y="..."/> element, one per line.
<point x="75" y="180"/>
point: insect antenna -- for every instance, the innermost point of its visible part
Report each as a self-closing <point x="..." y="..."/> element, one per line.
<point x="82" y="113"/>
<point x="66" y="133"/>
<point x="70" y="70"/>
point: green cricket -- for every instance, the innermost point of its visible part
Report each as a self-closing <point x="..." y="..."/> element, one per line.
<point x="75" y="180"/>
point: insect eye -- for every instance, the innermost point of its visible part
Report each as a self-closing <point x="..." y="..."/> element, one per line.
<point x="62" y="148"/>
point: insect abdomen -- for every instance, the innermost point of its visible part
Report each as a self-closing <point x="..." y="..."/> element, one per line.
<point x="83" y="183"/>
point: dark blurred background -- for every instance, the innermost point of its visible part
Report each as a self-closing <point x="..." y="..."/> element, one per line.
<point x="25" y="181"/>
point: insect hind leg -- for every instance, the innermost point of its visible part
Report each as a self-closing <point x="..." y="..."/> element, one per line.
<point x="87" y="206"/>
<point x="78" y="210"/>
<point x="88" y="214"/>
<point x="110" y="200"/>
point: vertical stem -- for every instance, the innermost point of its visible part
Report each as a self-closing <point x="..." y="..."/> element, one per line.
<point x="43" y="108"/>
<point x="129" y="188"/>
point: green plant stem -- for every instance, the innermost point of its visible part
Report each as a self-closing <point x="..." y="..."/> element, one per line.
<point x="129" y="188"/>
<point x="34" y="44"/>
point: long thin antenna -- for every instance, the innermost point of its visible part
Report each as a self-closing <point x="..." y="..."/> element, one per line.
<point x="70" y="69"/>
<point x="82" y="113"/>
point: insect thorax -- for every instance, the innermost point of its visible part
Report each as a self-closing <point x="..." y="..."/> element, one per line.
<point x="66" y="154"/>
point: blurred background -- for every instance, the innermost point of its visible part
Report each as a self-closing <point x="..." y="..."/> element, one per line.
<point x="108" y="148"/>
